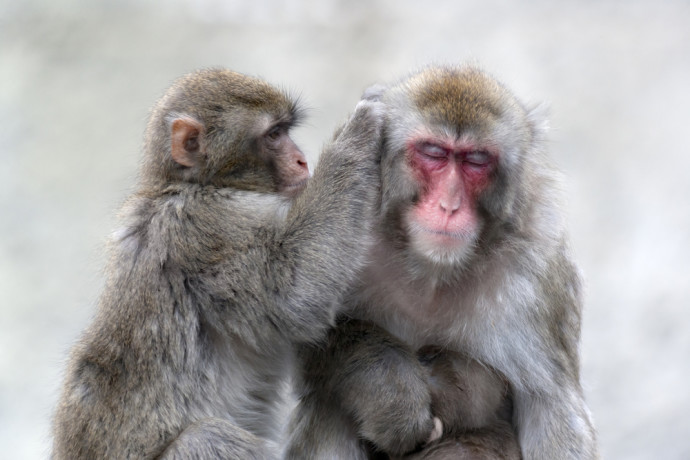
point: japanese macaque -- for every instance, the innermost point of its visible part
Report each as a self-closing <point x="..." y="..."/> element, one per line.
<point x="471" y="260"/>
<point x="229" y="255"/>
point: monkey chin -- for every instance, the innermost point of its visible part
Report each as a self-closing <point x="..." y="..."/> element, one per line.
<point x="442" y="248"/>
<point x="293" y="190"/>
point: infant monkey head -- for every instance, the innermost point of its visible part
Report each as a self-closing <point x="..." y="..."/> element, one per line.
<point x="219" y="127"/>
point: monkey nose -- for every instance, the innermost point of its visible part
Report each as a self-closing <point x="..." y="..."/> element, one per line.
<point x="450" y="205"/>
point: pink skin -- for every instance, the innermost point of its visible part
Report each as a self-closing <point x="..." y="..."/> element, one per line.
<point x="291" y="162"/>
<point x="452" y="174"/>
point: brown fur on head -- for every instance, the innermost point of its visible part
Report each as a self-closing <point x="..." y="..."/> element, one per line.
<point x="463" y="98"/>
<point x="221" y="116"/>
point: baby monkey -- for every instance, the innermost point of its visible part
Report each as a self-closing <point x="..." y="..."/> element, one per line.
<point x="228" y="256"/>
<point x="474" y="405"/>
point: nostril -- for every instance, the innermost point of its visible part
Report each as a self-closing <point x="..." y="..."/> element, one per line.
<point x="449" y="207"/>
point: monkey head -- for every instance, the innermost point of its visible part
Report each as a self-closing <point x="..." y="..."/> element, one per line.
<point x="451" y="170"/>
<point x="219" y="127"/>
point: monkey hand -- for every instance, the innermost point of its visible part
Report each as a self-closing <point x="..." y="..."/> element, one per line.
<point x="393" y="410"/>
<point x="437" y="432"/>
<point x="350" y="166"/>
<point x="374" y="92"/>
<point x="380" y="383"/>
<point x="362" y="131"/>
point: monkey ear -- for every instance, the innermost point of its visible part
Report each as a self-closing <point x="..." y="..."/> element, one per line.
<point x="185" y="137"/>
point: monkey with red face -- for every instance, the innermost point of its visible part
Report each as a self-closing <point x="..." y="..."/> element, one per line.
<point x="471" y="261"/>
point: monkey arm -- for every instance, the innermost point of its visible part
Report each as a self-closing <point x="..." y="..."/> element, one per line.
<point x="318" y="427"/>
<point x="282" y="273"/>
<point x="550" y="413"/>
<point x="218" y="438"/>
<point x="383" y="386"/>
<point x="546" y="423"/>
<point x="327" y="231"/>
<point x="372" y="378"/>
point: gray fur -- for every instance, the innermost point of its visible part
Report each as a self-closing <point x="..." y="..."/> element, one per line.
<point x="364" y="384"/>
<point x="213" y="279"/>
<point x="512" y="303"/>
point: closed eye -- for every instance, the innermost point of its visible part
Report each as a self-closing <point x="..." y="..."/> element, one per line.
<point x="477" y="158"/>
<point x="432" y="150"/>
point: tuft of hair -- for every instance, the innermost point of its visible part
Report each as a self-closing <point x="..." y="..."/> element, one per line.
<point x="461" y="97"/>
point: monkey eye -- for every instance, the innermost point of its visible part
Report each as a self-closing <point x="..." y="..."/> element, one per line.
<point x="275" y="133"/>
<point x="432" y="150"/>
<point x="478" y="158"/>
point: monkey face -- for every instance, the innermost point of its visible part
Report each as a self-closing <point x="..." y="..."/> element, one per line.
<point x="287" y="162"/>
<point x="444" y="224"/>
<point x="452" y="135"/>
<point x="218" y="127"/>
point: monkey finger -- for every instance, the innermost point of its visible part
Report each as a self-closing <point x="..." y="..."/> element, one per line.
<point x="437" y="432"/>
<point x="374" y="92"/>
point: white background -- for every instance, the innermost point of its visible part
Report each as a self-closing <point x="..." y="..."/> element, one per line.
<point x="77" y="78"/>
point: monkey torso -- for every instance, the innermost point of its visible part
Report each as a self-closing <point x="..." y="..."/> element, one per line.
<point x="213" y="251"/>
<point x="475" y="312"/>
<point x="152" y="349"/>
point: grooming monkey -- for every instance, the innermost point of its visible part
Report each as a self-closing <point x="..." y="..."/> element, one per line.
<point x="228" y="257"/>
<point x="471" y="258"/>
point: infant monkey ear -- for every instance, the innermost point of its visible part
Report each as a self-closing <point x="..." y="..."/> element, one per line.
<point x="184" y="139"/>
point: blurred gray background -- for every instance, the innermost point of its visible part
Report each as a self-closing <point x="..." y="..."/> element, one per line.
<point x="77" y="78"/>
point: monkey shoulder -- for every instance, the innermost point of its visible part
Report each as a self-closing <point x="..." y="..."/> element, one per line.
<point x="197" y="224"/>
<point x="224" y="208"/>
<point x="542" y="295"/>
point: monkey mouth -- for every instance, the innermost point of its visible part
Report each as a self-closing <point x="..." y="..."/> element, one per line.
<point x="444" y="233"/>
<point x="296" y="187"/>
<point x="454" y="235"/>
